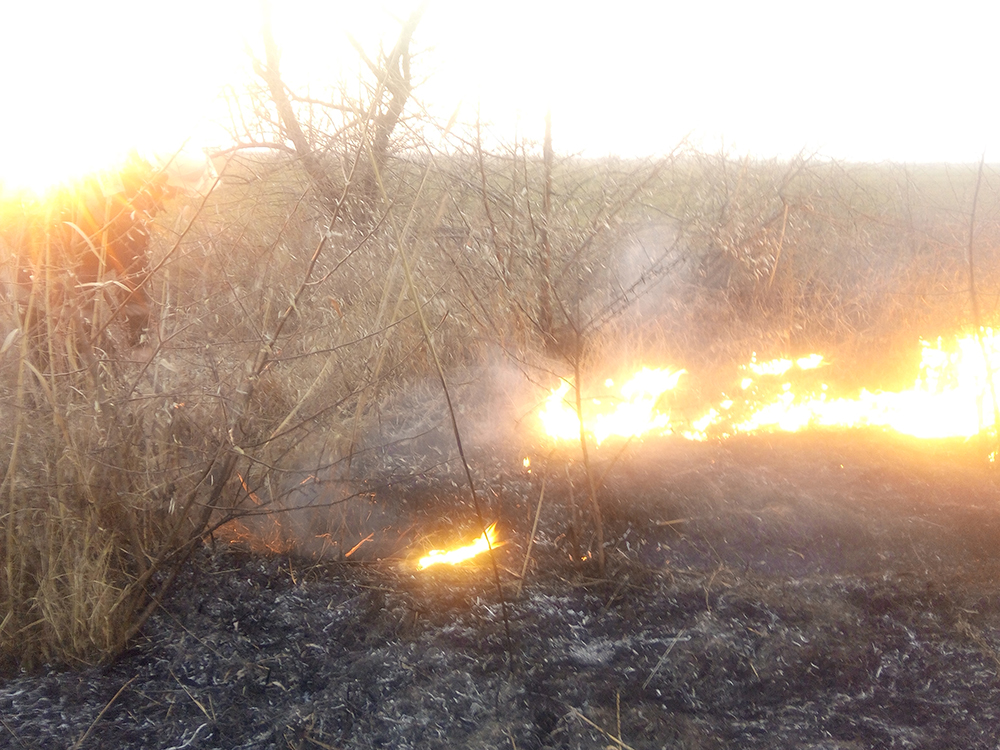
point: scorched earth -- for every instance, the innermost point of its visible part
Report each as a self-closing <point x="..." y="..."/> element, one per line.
<point x="813" y="590"/>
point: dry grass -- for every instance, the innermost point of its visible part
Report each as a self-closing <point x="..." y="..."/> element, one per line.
<point x="280" y="330"/>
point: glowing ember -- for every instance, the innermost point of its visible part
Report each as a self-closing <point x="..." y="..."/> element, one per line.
<point x="781" y="366"/>
<point x="951" y="397"/>
<point x="451" y="557"/>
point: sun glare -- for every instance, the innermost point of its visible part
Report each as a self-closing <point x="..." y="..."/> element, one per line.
<point x="36" y="171"/>
<point x="89" y="82"/>
<point x="95" y="81"/>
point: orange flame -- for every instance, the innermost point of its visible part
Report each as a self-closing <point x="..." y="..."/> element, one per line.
<point x="632" y="414"/>
<point x="951" y="397"/>
<point x="487" y="541"/>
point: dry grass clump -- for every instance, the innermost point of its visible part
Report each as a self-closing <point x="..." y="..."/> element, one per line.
<point x="76" y="527"/>
<point x="118" y="459"/>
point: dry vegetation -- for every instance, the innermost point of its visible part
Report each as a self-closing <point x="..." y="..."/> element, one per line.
<point x="285" y="319"/>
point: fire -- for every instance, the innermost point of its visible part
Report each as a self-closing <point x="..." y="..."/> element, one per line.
<point x="487" y="541"/>
<point x="263" y="534"/>
<point x="952" y="396"/>
<point x="781" y="366"/>
<point x="634" y="413"/>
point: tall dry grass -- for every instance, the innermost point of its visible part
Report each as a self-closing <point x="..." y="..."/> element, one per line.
<point x="87" y="522"/>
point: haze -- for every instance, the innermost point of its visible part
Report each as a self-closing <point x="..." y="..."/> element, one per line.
<point x="856" y="81"/>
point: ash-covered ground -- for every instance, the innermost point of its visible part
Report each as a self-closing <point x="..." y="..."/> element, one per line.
<point x="801" y="591"/>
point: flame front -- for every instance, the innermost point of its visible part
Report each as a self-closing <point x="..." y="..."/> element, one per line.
<point x="485" y="542"/>
<point x="634" y="413"/>
<point x="952" y="396"/>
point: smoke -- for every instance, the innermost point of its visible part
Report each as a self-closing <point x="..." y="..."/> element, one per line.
<point x="491" y="401"/>
<point x="401" y="467"/>
<point x="649" y="272"/>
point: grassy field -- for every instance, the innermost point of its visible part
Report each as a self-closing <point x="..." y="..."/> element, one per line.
<point x="284" y="324"/>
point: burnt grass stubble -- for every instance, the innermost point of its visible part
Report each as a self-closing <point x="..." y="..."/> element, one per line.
<point x="805" y="591"/>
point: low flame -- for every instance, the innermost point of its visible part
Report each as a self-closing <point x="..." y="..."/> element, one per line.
<point x="632" y="414"/>
<point x="487" y="541"/>
<point x="951" y="397"/>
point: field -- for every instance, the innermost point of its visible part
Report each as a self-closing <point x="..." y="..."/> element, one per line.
<point x="208" y="534"/>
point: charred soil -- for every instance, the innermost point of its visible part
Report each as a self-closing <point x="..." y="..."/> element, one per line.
<point x="805" y="591"/>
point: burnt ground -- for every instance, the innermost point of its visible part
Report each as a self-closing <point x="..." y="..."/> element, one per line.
<point x="805" y="591"/>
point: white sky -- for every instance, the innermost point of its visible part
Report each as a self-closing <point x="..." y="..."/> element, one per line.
<point x="873" y="81"/>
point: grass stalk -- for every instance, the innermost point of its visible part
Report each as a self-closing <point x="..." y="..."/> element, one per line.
<point x="595" y="504"/>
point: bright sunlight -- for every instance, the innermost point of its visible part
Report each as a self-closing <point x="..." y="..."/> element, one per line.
<point x="93" y="80"/>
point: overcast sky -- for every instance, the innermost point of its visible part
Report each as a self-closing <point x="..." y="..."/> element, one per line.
<point x="867" y="81"/>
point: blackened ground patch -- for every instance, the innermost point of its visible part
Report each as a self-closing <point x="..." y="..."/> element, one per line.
<point x="808" y="591"/>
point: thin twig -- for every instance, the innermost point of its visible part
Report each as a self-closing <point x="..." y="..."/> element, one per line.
<point x="974" y="297"/>
<point x="494" y="234"/>
<point x="591" y="485"/>
<point x="673" y="642"/>
<point x="12" y="733"/>
<point x="194" y="700"/>
<point x="531" y="539"/>
<point x="618" y="716"/>
<point x="616" y="740"/>
<point x="104" y="710"/>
